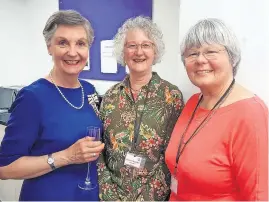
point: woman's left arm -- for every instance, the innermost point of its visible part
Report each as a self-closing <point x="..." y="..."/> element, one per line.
<point x="249" y="147"/>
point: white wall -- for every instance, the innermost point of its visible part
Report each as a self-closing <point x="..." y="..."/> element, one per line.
<point x="12" y="39"/>
<point x="165" y="14"/>
<point x="23" y="51"/>
<point x="250" y="21"/>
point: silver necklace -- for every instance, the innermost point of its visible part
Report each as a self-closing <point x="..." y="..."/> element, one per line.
<point x="82" y="92"/>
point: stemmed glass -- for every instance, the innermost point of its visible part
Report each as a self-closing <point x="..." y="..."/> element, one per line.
<point x="87" y="184"/>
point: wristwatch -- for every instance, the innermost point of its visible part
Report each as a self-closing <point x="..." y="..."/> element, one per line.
<point x="51" y="161"/>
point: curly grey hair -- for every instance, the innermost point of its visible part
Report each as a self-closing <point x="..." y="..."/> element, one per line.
<point x="145" y="24"/>
<point x="66" y="17"/>
<point x="213" y="31"/>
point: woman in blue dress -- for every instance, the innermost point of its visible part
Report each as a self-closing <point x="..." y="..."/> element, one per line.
<point x="45" y="139"/>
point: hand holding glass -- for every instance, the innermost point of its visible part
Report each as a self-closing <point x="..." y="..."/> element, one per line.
<point x="87" y="184"/>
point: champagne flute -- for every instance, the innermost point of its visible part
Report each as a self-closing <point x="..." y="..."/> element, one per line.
<point x="87" y="184"/>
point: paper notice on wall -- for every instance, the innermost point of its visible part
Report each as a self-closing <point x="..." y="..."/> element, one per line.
<point x="87" y="66"/>
<point x="127" y="69"/>
<point x="108" y="61"/>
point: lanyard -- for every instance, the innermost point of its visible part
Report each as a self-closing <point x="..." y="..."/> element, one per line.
<point x="180" y="148"/>
<point x="138" y="122"/>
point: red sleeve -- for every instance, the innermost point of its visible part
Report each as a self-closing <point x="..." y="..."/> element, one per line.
<point x="249" y="148"/>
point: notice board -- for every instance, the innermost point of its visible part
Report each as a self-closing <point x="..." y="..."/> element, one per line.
<point x="106" y="16"/>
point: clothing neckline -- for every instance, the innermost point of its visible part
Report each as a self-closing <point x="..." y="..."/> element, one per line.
<point x="154" y="79"/>
<point x="229" y="106"/>
<point x="45" y="81"/>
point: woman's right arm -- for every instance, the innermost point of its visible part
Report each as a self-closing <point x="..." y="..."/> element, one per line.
<point x="20" y="135"/>
<point x="28" y="167"/>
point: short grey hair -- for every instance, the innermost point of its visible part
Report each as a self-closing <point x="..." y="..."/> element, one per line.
<point x="148" y="27"/>
<point x="66" y="17"/>
<point x="213" y="31"/>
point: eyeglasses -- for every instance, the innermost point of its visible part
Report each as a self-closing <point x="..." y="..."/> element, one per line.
<point x="209" y="55"/>
<point x="144" y="46"/>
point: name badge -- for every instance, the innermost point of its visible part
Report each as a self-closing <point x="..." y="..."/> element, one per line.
<point x="173" y="185"/>
<point x="134" y="160"/>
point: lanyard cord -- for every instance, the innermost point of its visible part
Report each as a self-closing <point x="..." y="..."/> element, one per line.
<point x="138" y="122"/>
<point x="220" y="101"/>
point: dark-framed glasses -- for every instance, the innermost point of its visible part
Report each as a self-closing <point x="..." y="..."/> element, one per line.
<point x="208" y="54"/>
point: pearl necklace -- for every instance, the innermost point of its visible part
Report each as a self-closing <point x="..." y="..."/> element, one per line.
<point x="82" y="92"/>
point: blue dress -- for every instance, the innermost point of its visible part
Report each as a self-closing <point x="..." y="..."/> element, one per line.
<point x="42" y="122"/>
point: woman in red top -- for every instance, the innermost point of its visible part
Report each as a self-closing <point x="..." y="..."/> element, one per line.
<point x="219" y="146"/>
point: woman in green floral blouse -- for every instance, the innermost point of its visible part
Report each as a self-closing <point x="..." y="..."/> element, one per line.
<point x="138" y="114"/>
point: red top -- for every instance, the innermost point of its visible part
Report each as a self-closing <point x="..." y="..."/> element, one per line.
<point x="228" y="158"/>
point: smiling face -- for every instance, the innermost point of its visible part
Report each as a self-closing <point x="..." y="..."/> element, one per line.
<point x="69" y="49"/>
<point x="212" y="68"/>
<point x="138" y="52"/>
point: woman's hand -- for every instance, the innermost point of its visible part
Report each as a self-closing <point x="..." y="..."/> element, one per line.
<point x="84" y="150"/>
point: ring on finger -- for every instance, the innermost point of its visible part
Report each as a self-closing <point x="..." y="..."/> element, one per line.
<point x="94" y="154"/>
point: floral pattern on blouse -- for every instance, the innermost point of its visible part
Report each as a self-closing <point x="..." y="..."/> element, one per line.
<point x="119" y="112"/>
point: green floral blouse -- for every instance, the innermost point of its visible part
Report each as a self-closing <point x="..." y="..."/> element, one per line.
<point x="157" y="115"/>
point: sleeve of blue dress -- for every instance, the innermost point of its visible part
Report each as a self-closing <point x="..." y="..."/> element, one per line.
<point x="22" y="128"/>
